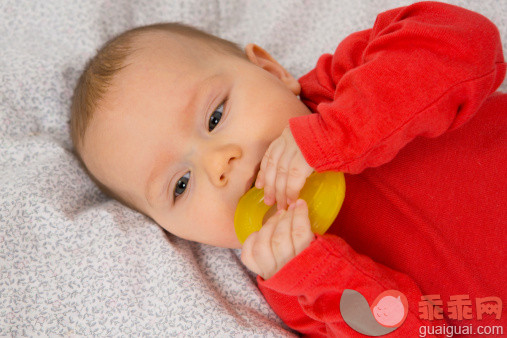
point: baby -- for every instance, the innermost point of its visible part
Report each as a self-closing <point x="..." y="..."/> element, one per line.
<point x="178" y="124"/>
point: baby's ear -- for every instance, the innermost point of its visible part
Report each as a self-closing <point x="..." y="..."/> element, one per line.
<point x="261" y="58"/>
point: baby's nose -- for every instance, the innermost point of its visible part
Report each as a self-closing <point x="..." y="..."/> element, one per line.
<point x="219" y="162"/>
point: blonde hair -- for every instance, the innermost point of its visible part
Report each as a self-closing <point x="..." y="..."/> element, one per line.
<point x="99" y="72"/>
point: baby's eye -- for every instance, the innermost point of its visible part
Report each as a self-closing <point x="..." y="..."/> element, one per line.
<point x="215" y="117"/>
<point x="181" y="185"/>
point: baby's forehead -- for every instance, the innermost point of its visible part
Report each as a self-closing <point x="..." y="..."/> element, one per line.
<point x="188" y="48"/>
<point x="154" y="58"/>
<point x="160" y="72"/>
<point x="164" y="67"/>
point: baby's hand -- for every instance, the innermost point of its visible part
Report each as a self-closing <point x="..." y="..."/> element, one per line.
<point x="283" y="171"/>
<point x="284" y="235"/>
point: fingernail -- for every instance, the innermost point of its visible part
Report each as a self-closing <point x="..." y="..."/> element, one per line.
<point x="300" y="203"/>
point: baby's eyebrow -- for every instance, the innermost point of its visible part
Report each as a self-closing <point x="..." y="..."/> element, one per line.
<point x="161" y="166"/>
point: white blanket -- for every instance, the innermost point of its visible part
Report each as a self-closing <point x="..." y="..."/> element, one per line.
<point x="73" y="262"/>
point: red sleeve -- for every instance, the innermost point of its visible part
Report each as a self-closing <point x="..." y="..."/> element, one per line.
<point x="306" y="292"/>
<point x="421" y="71"/>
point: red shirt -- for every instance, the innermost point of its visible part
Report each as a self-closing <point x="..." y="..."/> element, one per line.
<point x="406" y="110"/>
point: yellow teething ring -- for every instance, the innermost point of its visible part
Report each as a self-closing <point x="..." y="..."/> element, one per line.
<point x="323" y="192"/>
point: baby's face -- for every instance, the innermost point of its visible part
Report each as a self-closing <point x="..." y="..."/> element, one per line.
<point x="182" y="131"/>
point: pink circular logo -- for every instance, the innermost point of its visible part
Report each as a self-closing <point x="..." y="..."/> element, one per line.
<point x="390" y="308"/>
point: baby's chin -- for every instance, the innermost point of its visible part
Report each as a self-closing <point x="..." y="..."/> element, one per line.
<point x="229" y="242"/>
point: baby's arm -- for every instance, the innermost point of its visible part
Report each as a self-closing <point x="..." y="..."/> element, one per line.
<point x="303" y="278"/>
<point x="306" y="292"/>
<point x="421" y="71"/>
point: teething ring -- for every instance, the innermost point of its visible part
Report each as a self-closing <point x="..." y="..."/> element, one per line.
<point x="323" y="192"/>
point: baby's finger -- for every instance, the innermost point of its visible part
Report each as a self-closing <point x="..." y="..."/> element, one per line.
<point x="281" y="179"/>
<point x="296" y="179"/>
<point x="261" y="248"/>
<point x="260" y="181"/>
<point x="271" y="162"/>
<point x="246" y="253"/>
<point x="281" y="241"/>
<point x="302" y="234"/>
